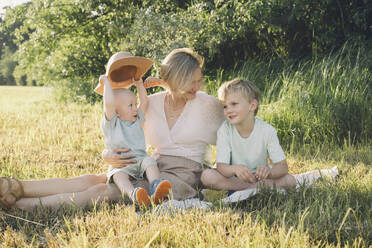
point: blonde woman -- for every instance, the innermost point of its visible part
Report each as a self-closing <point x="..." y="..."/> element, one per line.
<point x="180" y="123"/>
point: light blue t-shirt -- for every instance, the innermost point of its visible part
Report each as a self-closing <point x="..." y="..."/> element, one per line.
<point x="125" y="134"/>
<point x="253" y="151"/>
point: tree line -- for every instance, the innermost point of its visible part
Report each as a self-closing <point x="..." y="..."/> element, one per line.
<point x="66" y="43"/>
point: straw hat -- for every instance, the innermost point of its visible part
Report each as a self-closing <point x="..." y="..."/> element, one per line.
<point x="122" y="67"/>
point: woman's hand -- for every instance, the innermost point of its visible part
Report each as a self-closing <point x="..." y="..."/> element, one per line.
<point x="114" y="158"/>
<point x="153" y="81"/>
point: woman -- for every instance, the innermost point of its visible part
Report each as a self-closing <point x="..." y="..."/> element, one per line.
<point x="180" y="123"/>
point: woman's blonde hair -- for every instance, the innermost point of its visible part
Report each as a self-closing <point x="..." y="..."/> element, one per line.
<point x="244" y="87"/>
<point x="177" y="69"/>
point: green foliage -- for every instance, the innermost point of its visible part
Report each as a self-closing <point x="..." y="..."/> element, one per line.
<point x="229" y="32"/>
<point x="320" y="101"/>
<point x="66" y="40"/>
<point x="13" y="21"/>
<point x="7" y="65"/>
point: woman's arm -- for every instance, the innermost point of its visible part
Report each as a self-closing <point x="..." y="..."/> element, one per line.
<point x="114" y="158"/>
<point x="153" y="82"/>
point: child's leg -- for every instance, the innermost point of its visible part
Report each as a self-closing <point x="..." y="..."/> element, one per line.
<point x="284" y="182"/>
<point x="138" y="195"/>
<point x="212" y="179"/>
<point x="152" y="173"/>
<point x="159" y="189"/>
<point x="150" y="168"/>
<point x="121" y="179"/>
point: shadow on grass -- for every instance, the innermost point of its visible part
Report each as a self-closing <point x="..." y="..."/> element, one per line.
<point x="330" y="212"/>
<point x="327" y="212"/>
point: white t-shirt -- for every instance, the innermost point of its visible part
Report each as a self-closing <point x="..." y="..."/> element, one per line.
<point x="253" y="151"/>
<point x="195" y="128"/>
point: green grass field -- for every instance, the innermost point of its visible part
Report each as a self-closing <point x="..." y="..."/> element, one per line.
<point x="40" y="138"/>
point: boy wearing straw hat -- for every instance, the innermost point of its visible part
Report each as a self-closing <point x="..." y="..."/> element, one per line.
<point x="122" y="127"/>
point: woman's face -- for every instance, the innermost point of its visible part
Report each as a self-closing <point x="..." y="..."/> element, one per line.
<point x="196" y="83"/>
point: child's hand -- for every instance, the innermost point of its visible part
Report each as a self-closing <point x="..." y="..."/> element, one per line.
<point x="244" y="174"/>
<point x="103" y="79"/>
<point x="153" y="81"/>
<point x="262" y="172"/>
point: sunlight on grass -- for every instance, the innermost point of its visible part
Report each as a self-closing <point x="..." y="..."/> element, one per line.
<point x="41" y="138"/>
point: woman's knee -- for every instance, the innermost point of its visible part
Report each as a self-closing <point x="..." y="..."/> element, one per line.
<point x="94" y="179"/>
<point x="103" y="190"/>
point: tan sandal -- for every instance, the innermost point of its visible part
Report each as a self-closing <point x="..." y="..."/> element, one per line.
<point x="10" y="187"/>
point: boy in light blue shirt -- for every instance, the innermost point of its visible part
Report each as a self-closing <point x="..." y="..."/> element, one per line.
<point x="122" y="128"/>
<point x="245" y="143"/>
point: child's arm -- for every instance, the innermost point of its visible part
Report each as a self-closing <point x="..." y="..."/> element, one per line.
<point x="108" y="98"/>
<point x="276" y="153"/>
<point x="242" y="172"/>
<point x="278" y="170"/>
<point x="142" y="95"/>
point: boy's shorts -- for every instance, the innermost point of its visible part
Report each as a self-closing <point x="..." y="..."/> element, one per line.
<point x="135" y="171"/>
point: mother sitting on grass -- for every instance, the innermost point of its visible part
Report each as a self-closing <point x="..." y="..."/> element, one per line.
<point x="180" y="123"/>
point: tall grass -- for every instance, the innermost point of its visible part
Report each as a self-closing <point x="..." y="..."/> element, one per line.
<point x="326" y="100"/>
<point x="315" y="102"/>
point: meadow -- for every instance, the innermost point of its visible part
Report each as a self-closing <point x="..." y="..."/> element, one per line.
<point x="310" y="59"/>
<point x="42" y="138"/>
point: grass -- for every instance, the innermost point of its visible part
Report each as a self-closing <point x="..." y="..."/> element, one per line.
<point x="41" y="138"/>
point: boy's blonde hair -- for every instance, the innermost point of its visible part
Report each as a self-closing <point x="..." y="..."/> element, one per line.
<point x="246" y="88"/>
<point x="122" y="93"/>
<point x="178" y="68"/>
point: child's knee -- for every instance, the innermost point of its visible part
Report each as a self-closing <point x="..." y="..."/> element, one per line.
<point x="286" y="181"/>
<point x="291" y="181"/>
<point x="148" y="162"/>
<point x="120" y="176"/>
<point x="208" y="177"/>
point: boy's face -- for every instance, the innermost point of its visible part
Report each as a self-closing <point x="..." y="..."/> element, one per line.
<point x="126" y="106"/>
<point x="237" y="109"/>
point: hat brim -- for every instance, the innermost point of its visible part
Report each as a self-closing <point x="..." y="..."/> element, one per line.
<point x="126" y="84"/>
<point x="142" y="65"/>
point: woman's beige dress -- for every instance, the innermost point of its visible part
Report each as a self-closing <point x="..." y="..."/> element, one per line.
<point x="180" y="151"/>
